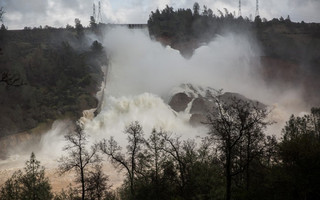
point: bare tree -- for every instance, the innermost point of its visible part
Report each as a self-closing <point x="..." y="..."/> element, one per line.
<point x="237" y="126"/>
<point x="155" y="155"/>
<point x="151" y="161"/>
<point x="79" y="158"/>
<point x="129" y="160"/>
<point x="173" y="147"/>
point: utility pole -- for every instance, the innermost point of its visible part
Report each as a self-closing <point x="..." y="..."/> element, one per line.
<point x="99" y="18"/>
<point x="94" y="11"/>
<point x="240" y="14"/>
<point x="257" y="8"/>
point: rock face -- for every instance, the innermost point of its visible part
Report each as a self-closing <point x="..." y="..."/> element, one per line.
<point x="179" y="102"/>
<point x="201" y="105"/>
<point x="229" y="96"/>
<point x="203" y="100"/>
<point x="199" y="110"/>
<point x="197" y="119"/>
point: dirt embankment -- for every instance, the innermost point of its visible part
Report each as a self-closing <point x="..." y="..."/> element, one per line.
<point x="22" y="139"/>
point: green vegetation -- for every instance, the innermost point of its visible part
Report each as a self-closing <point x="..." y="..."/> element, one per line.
<point x="47" y="74"/>
<point x="259" y="166"/>
<point x="185" y="25"/>
<point x="237" y="128"/>
<point x="299" y="151"/>
<point x="29" y="185"/>
<point x="235" y="161"/>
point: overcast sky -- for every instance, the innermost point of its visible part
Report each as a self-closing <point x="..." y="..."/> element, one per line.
<point x="59" y="13"/>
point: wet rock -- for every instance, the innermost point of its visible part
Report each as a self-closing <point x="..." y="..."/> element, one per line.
<point x="204" y="101"/>
<point x="228" y="98"/>
<point x="201" y="106"/>
<point x="179" y="102"/>
<point x="197" y="119"/>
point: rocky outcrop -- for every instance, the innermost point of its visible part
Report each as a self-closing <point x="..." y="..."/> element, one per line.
<point x="203" y="101"/>
<point x="229" y="97"/>
<point x="197" y="119"/>
<point x="179" y="102"/>
<point x="201" y="105"/>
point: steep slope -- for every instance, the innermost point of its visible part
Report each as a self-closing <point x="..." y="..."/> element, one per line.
<point x="46" y="75"/>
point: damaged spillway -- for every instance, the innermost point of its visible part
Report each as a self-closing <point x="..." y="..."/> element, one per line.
<point x="156" y="86"/>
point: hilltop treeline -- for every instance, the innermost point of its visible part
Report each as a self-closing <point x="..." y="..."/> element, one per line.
<point x="235" y="161"/>
<point x="186" y="24"/>
<point x="202" y="25"/>
<point x="47" y="74"/>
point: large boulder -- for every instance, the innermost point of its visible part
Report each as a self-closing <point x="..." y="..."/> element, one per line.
<point x="201" y="105"/>
<point x="229" y="97"/>
<point x="203" y="100"/>
<point x="197" y="119"/>
<point x="179" y="102"/>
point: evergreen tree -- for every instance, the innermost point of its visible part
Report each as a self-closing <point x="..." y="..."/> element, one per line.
<point x="93" y="24"/>
<point x="31" y="185"/>
<point x="11" y="190"/>
<point x="3" y="28"/>
<point x="196" y="9"/>
<point x="299" y="152"/>
<point x="78" y="27"/>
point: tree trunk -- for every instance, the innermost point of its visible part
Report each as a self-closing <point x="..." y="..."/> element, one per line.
<point x="228" y="176"/>
<point x="248" y="163"/>
<point x="82" y="183"/>
<point x="132" y="187"/>
<point x="81" y="173"/>
<point x="228" y="196"/>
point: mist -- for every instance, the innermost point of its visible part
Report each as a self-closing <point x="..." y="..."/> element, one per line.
<point x="230" y="62"/>
<point x="141" y="65"/>
<point x="143" y="75"/>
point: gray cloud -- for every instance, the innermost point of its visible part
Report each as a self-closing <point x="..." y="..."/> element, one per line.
<point x="21" y="13"/>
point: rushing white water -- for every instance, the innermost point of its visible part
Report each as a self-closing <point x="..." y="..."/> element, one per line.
<point x="143" y="74"/>
<point x="150" y="110"/>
